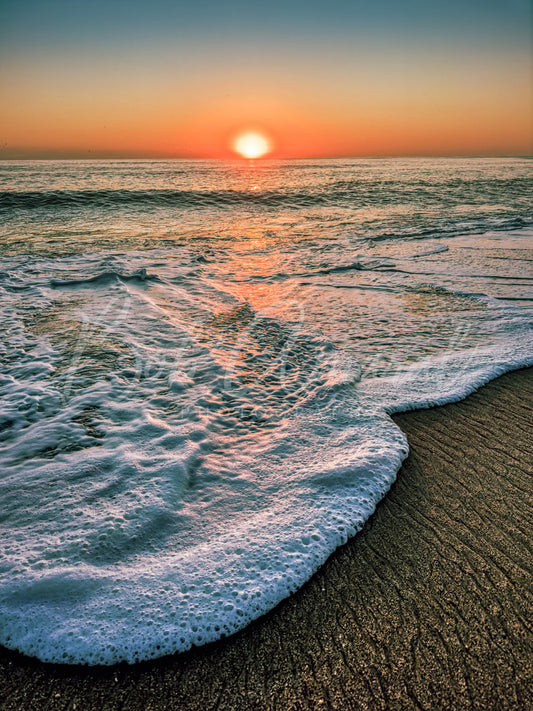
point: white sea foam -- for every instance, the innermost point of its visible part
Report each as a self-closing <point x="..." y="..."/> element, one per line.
<point x="165" y="535"/>
<point x="186" y="434"/>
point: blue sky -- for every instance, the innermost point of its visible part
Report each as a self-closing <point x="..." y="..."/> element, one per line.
<point x="51" y="21"/>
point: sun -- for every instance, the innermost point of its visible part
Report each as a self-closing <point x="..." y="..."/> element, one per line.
<point x="251" y="144"/>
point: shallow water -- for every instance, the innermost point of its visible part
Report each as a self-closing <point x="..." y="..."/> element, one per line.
<point x="198" y="363"/>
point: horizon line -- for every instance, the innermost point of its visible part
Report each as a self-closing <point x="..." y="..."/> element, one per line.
<point x="238" y="159"/>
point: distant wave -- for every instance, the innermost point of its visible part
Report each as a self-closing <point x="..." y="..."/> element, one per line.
<point x="348" y="195"/>
<point x="453" y="229"/>
<point x="159" y="198"/>
<point x="369" y="265"/>
<point x="353" y="194"/>
<point x="103" y="279"/>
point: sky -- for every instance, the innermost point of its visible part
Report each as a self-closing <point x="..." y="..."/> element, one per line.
<point x="162" y="78"/>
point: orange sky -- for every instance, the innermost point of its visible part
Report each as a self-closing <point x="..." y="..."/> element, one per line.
<point x="179" y="99"/>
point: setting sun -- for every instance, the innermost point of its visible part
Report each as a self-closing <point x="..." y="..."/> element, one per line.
<point x="251" y="145"/>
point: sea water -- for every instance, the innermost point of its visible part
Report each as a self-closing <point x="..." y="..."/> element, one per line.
<point x="199" y="361"/>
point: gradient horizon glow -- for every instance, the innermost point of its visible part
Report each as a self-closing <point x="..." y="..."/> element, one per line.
<point x="350" y="78"/>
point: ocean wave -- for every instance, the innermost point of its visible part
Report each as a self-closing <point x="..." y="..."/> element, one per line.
<point x="363" y="265"/>
<point x="103" y="279"/>
<point x="356" y="196"/>
<point x="360" y="266"/>
<point x="160" y="198"/>
<point x="453" y="228"/>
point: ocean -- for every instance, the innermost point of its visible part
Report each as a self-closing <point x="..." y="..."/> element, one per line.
<point x="199" y="364"/>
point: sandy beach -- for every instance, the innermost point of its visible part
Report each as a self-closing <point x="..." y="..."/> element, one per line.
<point x="429" y="607"/>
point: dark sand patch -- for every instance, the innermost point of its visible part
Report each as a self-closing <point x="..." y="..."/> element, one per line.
<point x="429" y="607"/>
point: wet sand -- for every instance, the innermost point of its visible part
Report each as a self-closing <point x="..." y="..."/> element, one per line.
<point x="429" y="607"/>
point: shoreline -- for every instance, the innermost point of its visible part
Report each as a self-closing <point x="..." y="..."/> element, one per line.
<point x="429" y="606"/>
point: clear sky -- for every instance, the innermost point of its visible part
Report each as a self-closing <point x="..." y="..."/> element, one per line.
<point x="340" y="78"/>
